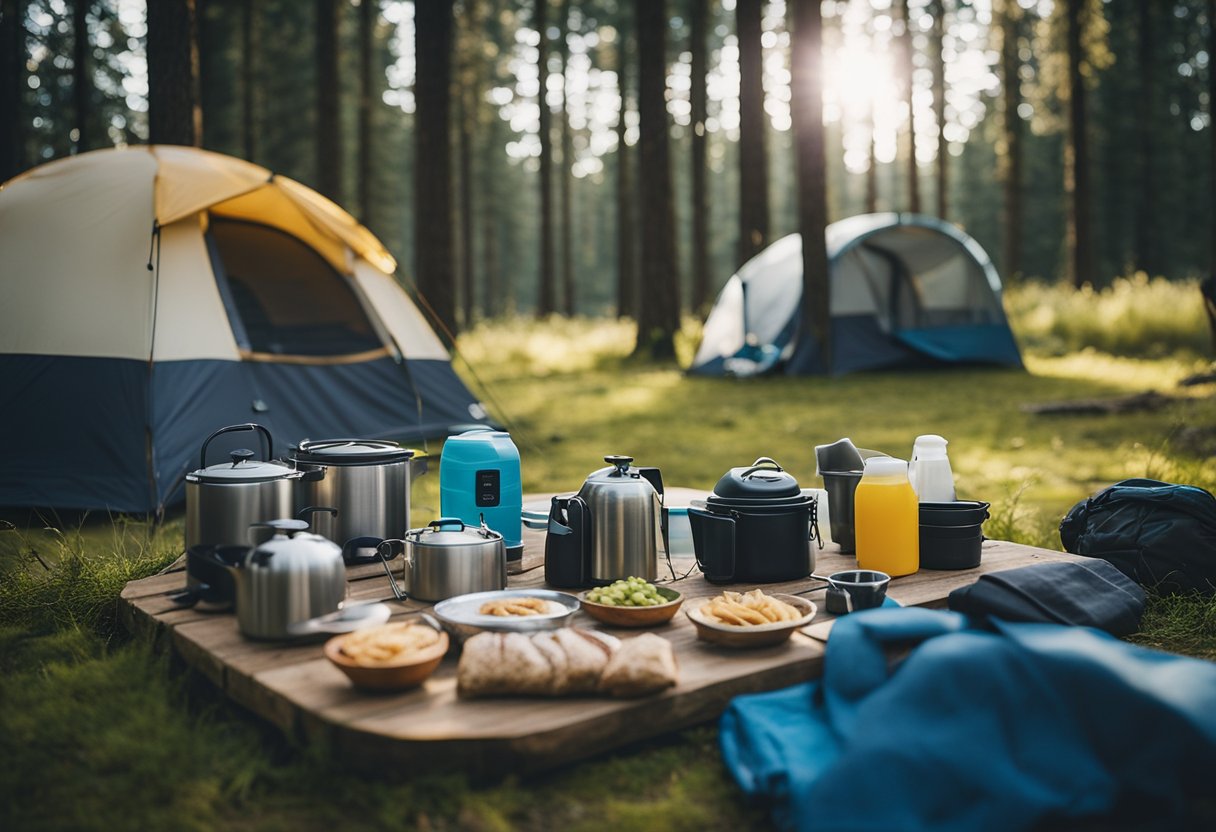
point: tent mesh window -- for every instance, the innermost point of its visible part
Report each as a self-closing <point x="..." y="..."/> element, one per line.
<point x="283" y="298"/>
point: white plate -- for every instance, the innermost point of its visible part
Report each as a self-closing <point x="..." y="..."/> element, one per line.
<point x="461" y="617"/>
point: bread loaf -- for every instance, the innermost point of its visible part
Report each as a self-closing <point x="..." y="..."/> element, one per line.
<point x="563" y="662"/>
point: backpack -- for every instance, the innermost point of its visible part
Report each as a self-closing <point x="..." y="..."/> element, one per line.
<point x="1161" y="535"/>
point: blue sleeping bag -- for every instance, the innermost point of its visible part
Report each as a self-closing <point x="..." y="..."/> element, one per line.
<point x="993" y="729"/>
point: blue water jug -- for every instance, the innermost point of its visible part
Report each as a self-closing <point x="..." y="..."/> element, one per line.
<point x="479" y="477"/>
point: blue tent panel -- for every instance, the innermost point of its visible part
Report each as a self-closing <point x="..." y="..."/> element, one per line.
<point x="988" y="343"/>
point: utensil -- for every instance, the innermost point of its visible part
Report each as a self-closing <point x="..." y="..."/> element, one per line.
<point x="225" y="500"/>
<point x="462" y="618"/>
<point x="841" y="455"/>
<point x="368" y="482"/>
<point x="479" y="479"/>
<point x="445" y="559"/>
<point x="209" y="585"/>
<point x="756" y="635"/>
<point x="855" y="589"/>
<point x="346" y="620"/>
<point x="623" y="616"/>
<point x="755" y="527"/>
<point x="410" y="671"/>
<point x="612" y="529"/>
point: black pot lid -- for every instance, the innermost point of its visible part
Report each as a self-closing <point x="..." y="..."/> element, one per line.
<point x="350" y="451"/>
<point x="243" y="468"/>
<point x="763" y="480"/>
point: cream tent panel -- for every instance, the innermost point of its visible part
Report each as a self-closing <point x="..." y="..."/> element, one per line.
<point x="90" y="293"/>
<point x="191" y="320"/>
<point x="271" y="206"/>
<point x="190" y="180"/>
<point x="398" y="314"/>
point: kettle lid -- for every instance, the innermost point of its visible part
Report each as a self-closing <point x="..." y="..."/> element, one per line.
<point x="350" y="451"/>
<point x="290" y="542"/>
<point x="243" y="468"/>
<point x="763" y="479"/>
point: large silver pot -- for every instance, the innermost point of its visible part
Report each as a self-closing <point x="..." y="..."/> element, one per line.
<point x="224" y="500"/>
<point x="447" y="559"/>
<point x="366" y="480"/>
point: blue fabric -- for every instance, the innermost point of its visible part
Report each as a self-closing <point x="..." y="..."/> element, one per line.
<point x="78" y="431"/>
<point x="983" y="343"/>
<point x="975" y="729"/>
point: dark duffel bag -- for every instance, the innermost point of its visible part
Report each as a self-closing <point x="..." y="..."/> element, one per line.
<point x="1161" y="535"/>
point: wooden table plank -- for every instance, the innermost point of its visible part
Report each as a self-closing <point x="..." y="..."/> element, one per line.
<point x="295" y="688"/>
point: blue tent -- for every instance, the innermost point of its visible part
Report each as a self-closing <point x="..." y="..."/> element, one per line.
<point x="906" y="290"/>
<point x="153" y="294"/>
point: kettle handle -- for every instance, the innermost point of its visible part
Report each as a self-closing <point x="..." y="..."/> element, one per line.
<point x="233" y="429"/>
<point x="446" y="521"/>
<point x="355" y="544"/>
<point x="302" y="513"/>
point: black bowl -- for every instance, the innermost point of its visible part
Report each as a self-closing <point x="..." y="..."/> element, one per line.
<point x="950" y="547"/>
<point x="959" y="513"/>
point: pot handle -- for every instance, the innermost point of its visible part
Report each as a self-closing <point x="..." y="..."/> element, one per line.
<point x="304" y="512"/>
<point x="350" y="547"/>
<point x="446" y="521"/>
<point x="764" y="463"/>
<point x="265" y="435"/>
<point x="713" y="538"/>
<point x="391" y="546"/>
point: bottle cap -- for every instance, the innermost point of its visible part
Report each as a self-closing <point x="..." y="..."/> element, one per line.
<point x="885" y="466"/>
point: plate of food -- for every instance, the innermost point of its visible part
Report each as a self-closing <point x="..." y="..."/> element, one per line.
<point x="506" y="610"/>
<point x="631" y="602"/>
<point x="400" y="654"/>
<point x="750" y="619"/>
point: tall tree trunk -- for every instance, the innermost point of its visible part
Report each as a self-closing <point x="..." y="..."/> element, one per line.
<point x="369" y="13"/>
<point x="12" y="78"/>
<point x="82" y="83"/>
<point x="251" y="43"/>
<point x="1076" y="153"/>
<point x="329" y="122"/>
<point x="489" y="263"/>
<point x="1147" y="127"/>
<point x="175" y="115"/>
<point x="806" y="109"/>
<point x="626" y="259"/>
<point x="436" y="273"/>
<point x="466" y="100"/>
<point x="753" y="155"/>
<point x="699" y="22"/>
<point x="547" y="301"/>
<point x="567" y="168"/>
<point x="907" y="53"/>
<point x="1212" y="146"/>
<point x="659" y="301"/>
<point x="1011" y="181"/>
<point x="872" y="168"/>
<point x="938" y="8"/>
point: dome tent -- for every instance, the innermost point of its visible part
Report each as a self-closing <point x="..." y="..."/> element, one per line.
<point x="153" y="294"/>
<point x="906" y="290"/>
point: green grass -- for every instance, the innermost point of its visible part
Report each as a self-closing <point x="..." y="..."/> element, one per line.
<point x="99" y="732"/>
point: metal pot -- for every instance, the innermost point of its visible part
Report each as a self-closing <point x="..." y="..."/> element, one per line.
<point x="291" y="578"/>
<point x="366" y="480"/>
<point x="223" y="501"/>
<point x="446" y="559"/>
<point x="754" y="527"/>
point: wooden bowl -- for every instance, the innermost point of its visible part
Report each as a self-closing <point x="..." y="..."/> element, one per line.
<point x="618" y="616"/>
<point x="410" y="671"/>
<point x="757" y="635"/>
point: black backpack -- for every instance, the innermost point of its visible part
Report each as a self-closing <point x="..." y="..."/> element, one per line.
<point x="1161" y="535"/>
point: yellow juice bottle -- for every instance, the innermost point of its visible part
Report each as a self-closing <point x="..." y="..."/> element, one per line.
<point x="886" y="518"/>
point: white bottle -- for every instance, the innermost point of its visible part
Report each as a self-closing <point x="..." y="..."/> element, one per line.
<point x="930" y="472"/>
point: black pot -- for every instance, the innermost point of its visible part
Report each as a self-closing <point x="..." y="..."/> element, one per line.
<point x="209" y="584"/>
<point x="950" y="547"/>
<point x="959" y="513"/>
<point x="754" y="527"/>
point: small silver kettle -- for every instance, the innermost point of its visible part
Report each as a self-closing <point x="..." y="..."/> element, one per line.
<point x="625" y="505"/>
<point x="292" y="577"/>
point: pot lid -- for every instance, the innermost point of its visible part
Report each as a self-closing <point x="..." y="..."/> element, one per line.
<point x="350" y="451"/>
<point x="763" y="480"/>
<point x="293" y="545"/>
<point x="243" y="468"/>
<point x="451" y="531"/>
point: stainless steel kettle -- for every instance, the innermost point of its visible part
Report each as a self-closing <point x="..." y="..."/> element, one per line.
<point x="289" y="579"/>
<point x="612" y="529"/>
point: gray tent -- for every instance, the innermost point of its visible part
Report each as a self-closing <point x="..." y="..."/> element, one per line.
<point x="906" y="289"/>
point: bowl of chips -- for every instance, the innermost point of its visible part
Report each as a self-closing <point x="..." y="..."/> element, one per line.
<point x="393" y="656"/>
<point x="749" y="619"/>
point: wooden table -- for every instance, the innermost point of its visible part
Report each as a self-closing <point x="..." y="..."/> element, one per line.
<point x="297" y="689"/>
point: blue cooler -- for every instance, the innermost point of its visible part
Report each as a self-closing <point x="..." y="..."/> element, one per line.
<point x="479" y="476"/>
